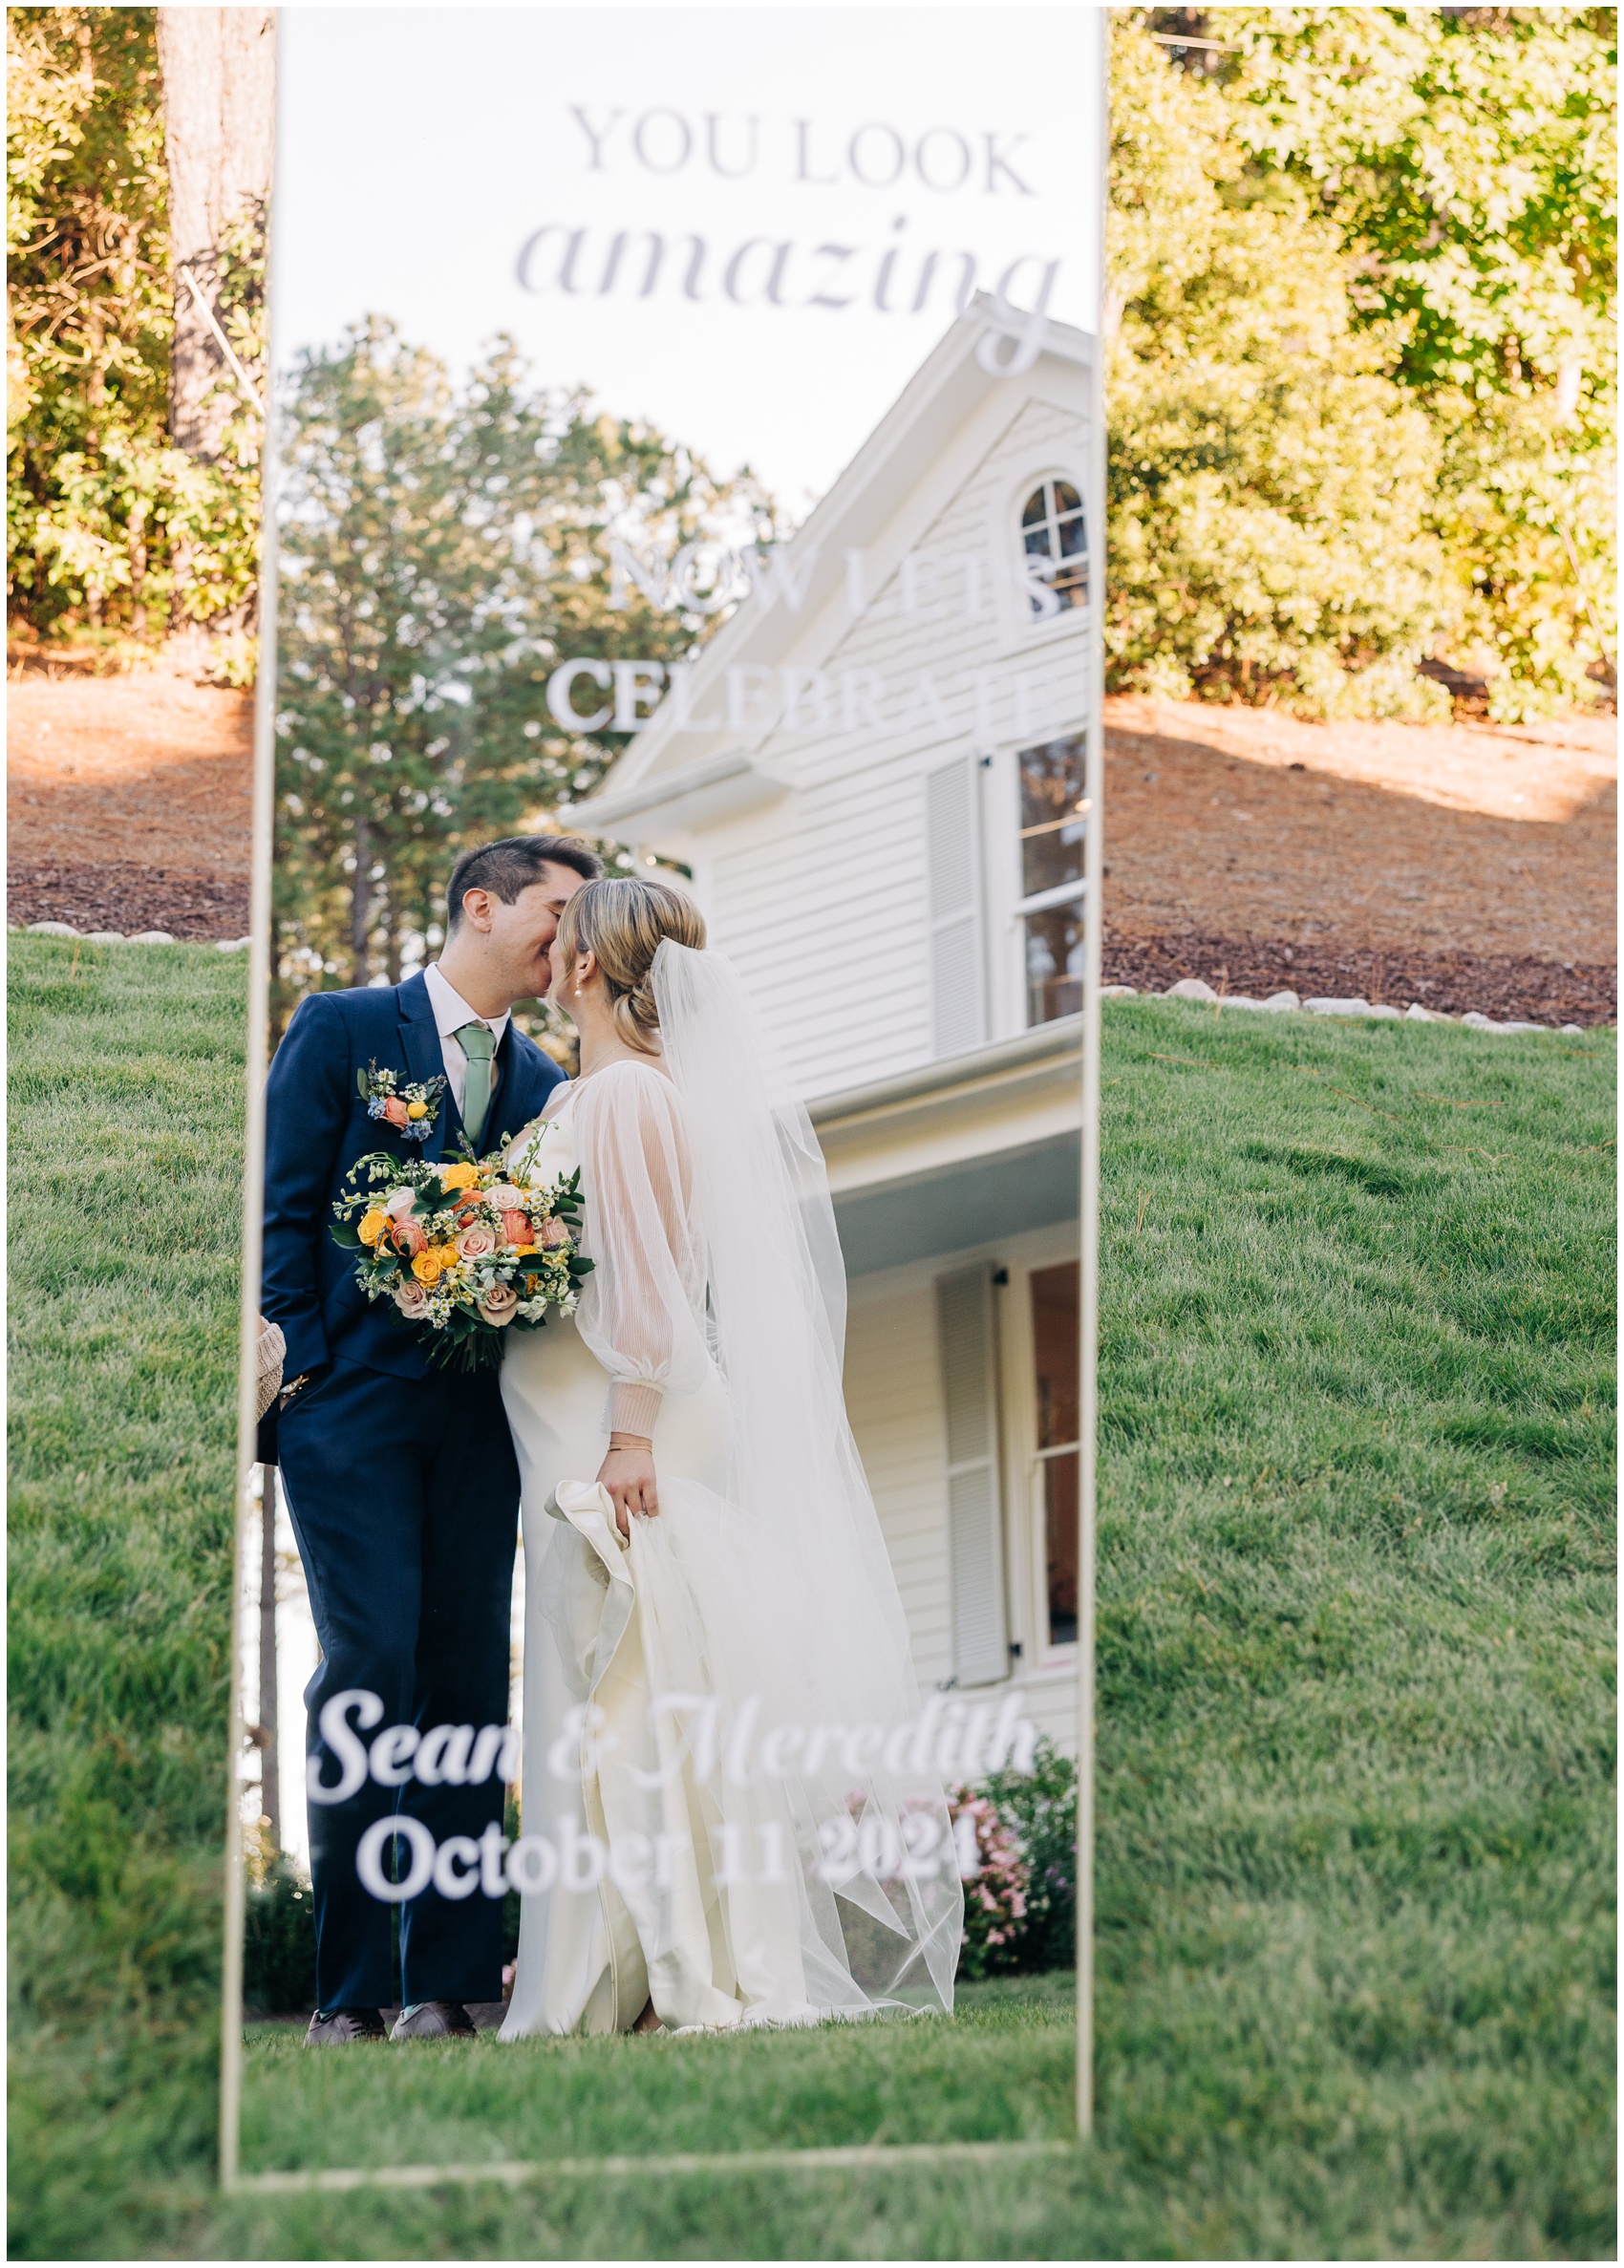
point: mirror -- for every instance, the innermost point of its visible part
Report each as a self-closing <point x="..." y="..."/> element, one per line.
<point x="686" y="505"/>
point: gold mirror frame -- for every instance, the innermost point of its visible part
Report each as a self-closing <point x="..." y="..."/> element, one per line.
<point x="515" y="2172"/>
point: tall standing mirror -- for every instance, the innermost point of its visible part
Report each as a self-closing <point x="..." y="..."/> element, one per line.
<point x="666" y="1547"/>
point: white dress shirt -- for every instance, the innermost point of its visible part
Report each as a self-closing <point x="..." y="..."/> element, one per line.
<point x="451" y="1013"/>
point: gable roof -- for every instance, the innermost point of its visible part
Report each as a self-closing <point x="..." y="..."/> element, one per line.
<point x="710" y="767"/>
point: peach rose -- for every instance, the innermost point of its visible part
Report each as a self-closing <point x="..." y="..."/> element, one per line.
<point x="409" y="1239"/>
<point x="554" y="1232"/>
<point x="516" y="1227"/>
<point x="410" y="1299"/>
<point x="477" y="1241"/>
<point x="398" y="1202"/>
<point x="506" y="1198"/>
<point x="395" y="1111"/>
<point x="498" y="1304"/>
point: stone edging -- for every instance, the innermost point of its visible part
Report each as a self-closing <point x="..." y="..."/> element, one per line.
<point x="1195" y="988"/>
<point x="62" y="929"/>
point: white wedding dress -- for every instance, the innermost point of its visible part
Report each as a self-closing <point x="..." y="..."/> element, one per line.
<point x="728" y="1803"/>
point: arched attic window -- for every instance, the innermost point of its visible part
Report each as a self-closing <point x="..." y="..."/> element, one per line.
<point x="1054" y="538"/>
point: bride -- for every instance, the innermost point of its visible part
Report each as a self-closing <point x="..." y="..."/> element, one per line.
<point x="729" y="1808"/>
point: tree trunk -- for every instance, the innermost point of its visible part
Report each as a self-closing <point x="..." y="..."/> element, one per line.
<point x="218" y="67"/>
<point x="360" y="903"/>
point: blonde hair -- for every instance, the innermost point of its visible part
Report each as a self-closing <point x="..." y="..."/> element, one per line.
<point x="623" y="921"/>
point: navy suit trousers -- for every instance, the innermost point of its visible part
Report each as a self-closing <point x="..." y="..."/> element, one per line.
<point x="404" y="1494"/>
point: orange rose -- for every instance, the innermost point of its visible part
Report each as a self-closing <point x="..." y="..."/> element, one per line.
<point x="516" y="1227"/>
<point x="395" y="1110"/>
<point x="409" y="1239"/>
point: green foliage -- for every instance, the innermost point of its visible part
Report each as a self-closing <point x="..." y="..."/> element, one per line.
<point x="279" y="1944"/>
<point x="442" y="550"/>
<point x="1040" y="1805"/>
<point x="1362" y="395"/>
<point x="1268" y="483"/>
<point x="1466" y="155"/>
<point x="111" y="530"/>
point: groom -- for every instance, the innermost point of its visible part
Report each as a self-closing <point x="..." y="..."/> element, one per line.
<point x="401" y="1476"/>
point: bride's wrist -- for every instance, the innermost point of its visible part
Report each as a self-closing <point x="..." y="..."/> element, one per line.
<point x="629" y="1441"/>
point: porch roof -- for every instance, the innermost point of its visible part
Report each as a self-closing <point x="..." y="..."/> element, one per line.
<point x="958" y="1153"/>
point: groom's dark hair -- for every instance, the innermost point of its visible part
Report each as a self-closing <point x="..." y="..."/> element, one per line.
<point x="508" y="867"/>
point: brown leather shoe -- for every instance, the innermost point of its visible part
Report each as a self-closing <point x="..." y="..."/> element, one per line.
<point x="435" y="2019"/>
<point x="341" y="2025"/>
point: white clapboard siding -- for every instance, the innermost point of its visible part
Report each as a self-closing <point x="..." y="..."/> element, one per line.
<point x="893" y="1394"/>
<point x="958" y="943"/>
<point x="823" y="899"/>
<point x="976" y="1541"/>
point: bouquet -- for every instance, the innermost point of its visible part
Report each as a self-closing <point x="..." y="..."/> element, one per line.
<point x="468" y="1249"/>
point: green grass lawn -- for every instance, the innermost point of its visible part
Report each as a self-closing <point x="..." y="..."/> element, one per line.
<point x="1003" y="2070"/>
<point x="1355" y="1661"/>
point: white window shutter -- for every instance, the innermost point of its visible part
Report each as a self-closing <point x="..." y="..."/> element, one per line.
<point x="952" y="861"/>
<point x="969" y="1353"/>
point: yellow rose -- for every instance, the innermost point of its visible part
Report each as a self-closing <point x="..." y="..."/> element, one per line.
<point x="445" y="1255"/>
<point x="373" y="1226"/>
<point x="459" y="1177"/>
<point x="426" y="1266"/>
<point x="417" y="1110"/>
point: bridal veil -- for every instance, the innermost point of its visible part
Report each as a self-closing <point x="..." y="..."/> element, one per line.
<point x="783" y="1731"/>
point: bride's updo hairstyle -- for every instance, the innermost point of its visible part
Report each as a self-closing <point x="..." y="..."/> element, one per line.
<point x="624" y="921"/>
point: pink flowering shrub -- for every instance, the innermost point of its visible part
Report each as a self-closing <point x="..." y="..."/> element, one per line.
<point x="1020" y="1908"/>
<point x="995" y="1895"/>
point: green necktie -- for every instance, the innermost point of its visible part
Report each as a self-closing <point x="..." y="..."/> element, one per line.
<point x="478" y="1042"/>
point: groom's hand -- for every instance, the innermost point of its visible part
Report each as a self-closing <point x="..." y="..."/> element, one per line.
<point x="628" y="1473"/>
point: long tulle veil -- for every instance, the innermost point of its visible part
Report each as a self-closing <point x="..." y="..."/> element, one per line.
<point x="815" y="1610"/>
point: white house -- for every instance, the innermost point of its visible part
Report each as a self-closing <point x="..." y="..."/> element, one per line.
<point x="874" y="772"/>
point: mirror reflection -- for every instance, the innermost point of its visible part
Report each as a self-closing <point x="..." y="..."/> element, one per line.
<point x="663" y="1608"/>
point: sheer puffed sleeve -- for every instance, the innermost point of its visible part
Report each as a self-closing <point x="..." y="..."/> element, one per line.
<point x="642" y="1308"/>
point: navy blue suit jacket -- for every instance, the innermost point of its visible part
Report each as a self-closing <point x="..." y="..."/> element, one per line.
<point x="316" y="1126"/>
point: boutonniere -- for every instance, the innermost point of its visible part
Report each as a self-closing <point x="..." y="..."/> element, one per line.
<point x="411" y="1110"/>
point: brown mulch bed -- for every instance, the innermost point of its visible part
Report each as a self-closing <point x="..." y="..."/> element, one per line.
<point x="118" y="895"/>
<point x="1453" y="983"/>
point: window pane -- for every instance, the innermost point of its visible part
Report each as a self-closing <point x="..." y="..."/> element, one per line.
<point x="1057" y="1344"/>
<point x="1054" y="963"/>
<point x="1052" y="828"/>
<point x="1060" y="1547"/>
<point x="1055" y="530"/>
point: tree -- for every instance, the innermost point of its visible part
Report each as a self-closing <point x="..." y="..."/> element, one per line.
<point x="112" y="529"/>
<point x="88" y="336"/>
<point x="441" y="551"/>
<point x="1268" y="483"/>
<point x="219" y="68"/>
<point x="1461" y="160"/>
